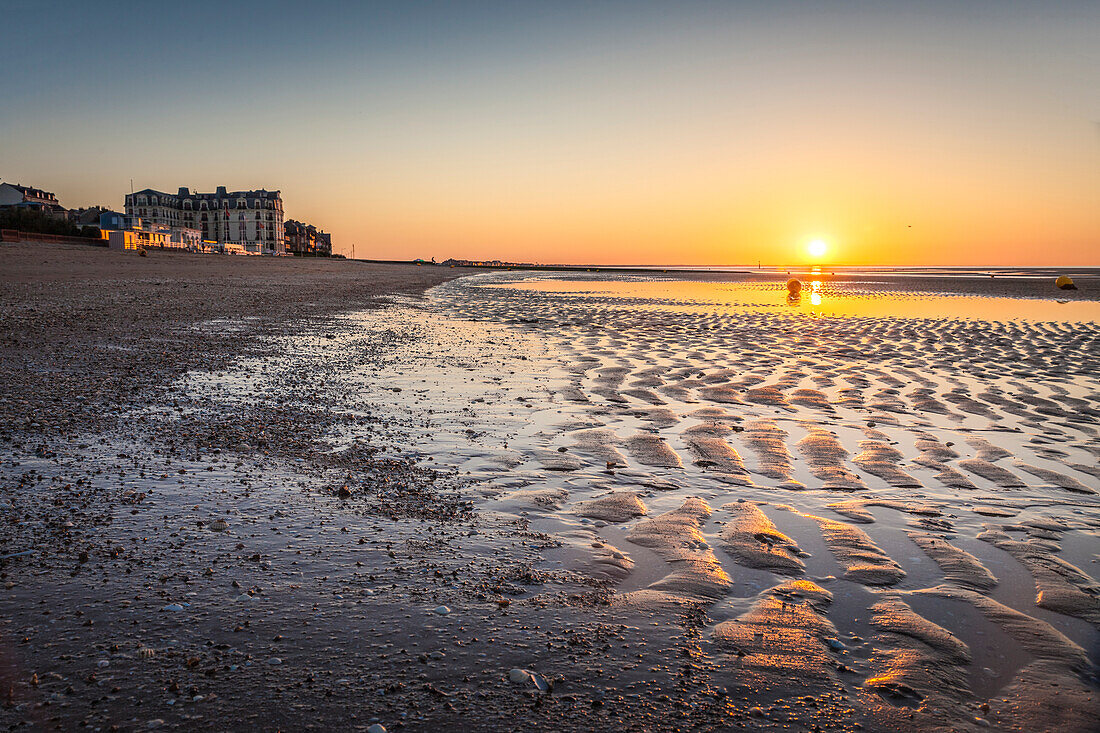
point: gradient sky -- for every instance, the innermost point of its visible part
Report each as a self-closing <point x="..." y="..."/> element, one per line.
<point x="696" y="133"/>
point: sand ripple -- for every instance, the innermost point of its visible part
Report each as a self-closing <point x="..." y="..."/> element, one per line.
<point x="917" y="430"/>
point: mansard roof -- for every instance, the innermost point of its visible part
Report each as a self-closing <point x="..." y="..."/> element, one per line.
<point x="221" y="193"/>
<point x="290" y="223"/>
<point x="32" y="191"/>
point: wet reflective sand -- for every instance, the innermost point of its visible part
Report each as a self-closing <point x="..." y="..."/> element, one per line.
<point x="675" y="513"/>
<point x="884" y="501"/>
<point x="820" y="295"/>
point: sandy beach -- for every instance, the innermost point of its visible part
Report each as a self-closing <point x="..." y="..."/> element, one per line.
<point x="289" y="494"/>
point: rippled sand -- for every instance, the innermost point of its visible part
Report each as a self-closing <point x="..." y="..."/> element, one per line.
<point x="887" y="502"/>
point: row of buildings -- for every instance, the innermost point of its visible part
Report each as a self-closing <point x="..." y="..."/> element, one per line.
<point x="234" y="222"/>
<point x="307" y="240"/>
<point x="245" y="222"/>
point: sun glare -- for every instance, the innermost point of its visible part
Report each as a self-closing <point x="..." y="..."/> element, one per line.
<point x="817" y="248"/>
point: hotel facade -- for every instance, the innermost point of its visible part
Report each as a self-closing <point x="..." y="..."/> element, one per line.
<point x="249" y="220"/>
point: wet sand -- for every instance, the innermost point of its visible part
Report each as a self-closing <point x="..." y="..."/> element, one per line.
<point x="675" y="513"/>
<point x="927" y="481"/>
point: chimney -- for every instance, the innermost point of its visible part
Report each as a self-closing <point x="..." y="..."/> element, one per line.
<point x="221" y="191"/>
<point x="184" y="193"/>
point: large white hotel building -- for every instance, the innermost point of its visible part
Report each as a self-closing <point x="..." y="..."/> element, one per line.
<point x="252" y="220"/>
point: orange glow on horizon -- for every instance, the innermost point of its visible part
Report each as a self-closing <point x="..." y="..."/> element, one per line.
<point x="937" y="221"/>
<point x="899" y="137"/>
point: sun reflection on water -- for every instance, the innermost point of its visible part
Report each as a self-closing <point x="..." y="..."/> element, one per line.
<point x="826" y="298"/>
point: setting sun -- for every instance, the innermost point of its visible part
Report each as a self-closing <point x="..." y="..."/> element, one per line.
<point x="817" y="248"/>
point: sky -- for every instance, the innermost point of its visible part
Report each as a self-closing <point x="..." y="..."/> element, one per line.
<point x="674" y="133"/>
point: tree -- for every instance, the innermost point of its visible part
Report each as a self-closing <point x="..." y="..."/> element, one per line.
<point x="32" y="220"/>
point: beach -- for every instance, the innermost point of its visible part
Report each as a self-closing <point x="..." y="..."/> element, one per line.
<point x="248" y="493"/>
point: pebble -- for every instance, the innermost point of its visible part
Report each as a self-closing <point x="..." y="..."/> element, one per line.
<point x="274" y="660"/>
<point x="377" y="728"/>
<point x="518" y="675"/>
<point x="441" y="610"/>
<point x="173" y="607"/>
<point x="219" y="525"/>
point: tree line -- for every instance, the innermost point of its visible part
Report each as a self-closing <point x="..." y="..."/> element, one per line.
<point x="32" y="220"/>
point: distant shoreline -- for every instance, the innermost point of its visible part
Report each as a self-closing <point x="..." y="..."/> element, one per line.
<point x="909" y="270"/>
